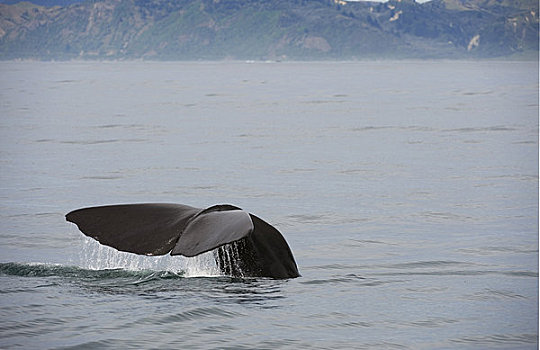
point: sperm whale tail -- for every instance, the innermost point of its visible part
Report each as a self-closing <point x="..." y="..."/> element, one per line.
<point x="159" y="228"/>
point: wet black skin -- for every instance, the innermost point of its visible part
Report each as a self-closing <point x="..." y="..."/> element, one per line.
<point x="247" y="245"/>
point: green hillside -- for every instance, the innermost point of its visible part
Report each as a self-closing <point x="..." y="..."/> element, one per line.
<point x="262" y="29"/>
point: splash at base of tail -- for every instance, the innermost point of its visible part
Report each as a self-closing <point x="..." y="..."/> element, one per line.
<point x="243" y="244"/>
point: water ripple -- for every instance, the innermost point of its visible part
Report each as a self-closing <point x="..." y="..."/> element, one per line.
<point x="48" y="270"/>
<point x="334" y="280"/>
<point x="433" y="322"/>
<point x="498" y="250"/>
<point x="194" y="314"/>
<point x="498" y="339"/>
<point x="348" y="279"/>
<point x="481" y="129"/>
<point x="426" y="264"/>
<point x="461" y="273"/>
<point x="494" y="294"/>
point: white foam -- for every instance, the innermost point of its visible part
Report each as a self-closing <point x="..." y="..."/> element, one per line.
<point x="95" y="256"/>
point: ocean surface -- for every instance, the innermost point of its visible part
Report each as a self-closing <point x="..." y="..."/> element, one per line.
<point x="407" y="191"/>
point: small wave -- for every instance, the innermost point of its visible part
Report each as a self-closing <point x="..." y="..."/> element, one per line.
<point x="53" y="270"/>
<point x="196" y="314"/>
<point x="474" y="93"/>
<point x="433" y="322"/>
<point x="461" y="273"/>
<point x="36" y="270"/>
<point x="335" y="267"/>
<point x="323" y="219"/>
<point x="494" y="294"/>
<point x="370" y="128"/>
<point x="91" y="142"/>
<point x="392" y="127"/>
<point x="125" y="126"/>
<point x="498" y="250"/>
<point x="481" y="129"/>
<point x="348" y="279"/>
<point x="444" y="216"/>
<point x="333" y="280"/>
<point x="297" y="170"/>
<point x="104" y="177"/>
<point x="68" y="81"/>
<point x="370" y="241"/>
<point x="307" y="218"/>
<point x="499" y="339"/>
<point x="316" y="102"/>
<point x="426" y="264"/>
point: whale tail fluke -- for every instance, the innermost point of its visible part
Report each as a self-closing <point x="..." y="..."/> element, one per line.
<point x="157" y="229"/>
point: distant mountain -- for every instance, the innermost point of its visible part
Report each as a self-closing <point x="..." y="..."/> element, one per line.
<point x="268" y="29"/>
<point x="48" y="3"/>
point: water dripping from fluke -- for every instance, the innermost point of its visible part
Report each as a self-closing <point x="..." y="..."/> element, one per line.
<point x="244" y="245"/>
<point x="94" y="256"/>
<point x="228" y="260"/>
<point x="223" y="261"/>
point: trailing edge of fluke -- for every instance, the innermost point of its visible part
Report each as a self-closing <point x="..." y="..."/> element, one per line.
<point x="159" y="228"/>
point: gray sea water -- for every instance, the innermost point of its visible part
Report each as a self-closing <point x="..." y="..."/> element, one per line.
<point x="408" y="192"/>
